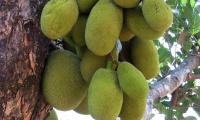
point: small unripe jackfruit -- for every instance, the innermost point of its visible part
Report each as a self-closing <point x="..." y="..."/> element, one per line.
<point x="86" y="5"/>
<point x="103" y="27"/>
<point x="145" y="57"/>
<point x="135" y="88"/>
<point x="58" y="18"/>
<point x="63" y="86"/>
<point x="104" y="95"/>
<point x="52" y="115"/>
<point x="157" y="14"/>
<point x="127" y="3"/>
<point x="78" y="31"/>
<point x="125" y="34"/>
<point x="90" y="63"/>
<point x="136" y="23"/>
<point x="83" y="106"/>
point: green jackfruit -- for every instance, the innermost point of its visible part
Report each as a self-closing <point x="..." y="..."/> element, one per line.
<point x="157" y="14"/>
<point x="136" y="23"/>
<point x="145" y="57"/>
<point x="125" y="34"/>
<point x="90" y="63"/>
<point x="58" y="18"/>
<point x="52" y="115"/>
<point x="104" y="95"/>
<point x="63" y="86"/>
<point x="103" y="27"/>
<point x="132" y="109"/>
<point x="78" y="31"/>
<point x="135" y="87"/>
<point x="83" y="107"/>
<point x="86" y="5"/>
<point x="127" y="3"/>
<point x="132" y="81"/>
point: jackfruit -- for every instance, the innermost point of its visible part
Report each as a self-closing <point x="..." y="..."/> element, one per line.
<point x="63" y="86"/>
<point x="78" y="31"/>
<point x="90" y="63"/>
<point x="52" y="115"/>
<point x="135" y="88"/>
<point x="83" y="107"/>
<point x="132" y="109"/>
<point x="125" y="34"/>
<point x="86" y="5"/>
<point x="136" y="23"/>
<point x="132" y="81"/>
<point x="157" y="14"/>
<point x="145" y="57"/>
<point x="127" y="3"/>
<point x="58" y="18"/>
<point x="104" y="95"/>
<point x="103" y="27"/>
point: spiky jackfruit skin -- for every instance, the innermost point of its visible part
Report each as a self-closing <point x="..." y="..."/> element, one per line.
<point x="58" y="18"/>
<point x="132" y="109"/>
<point x="104" y="95"/>
<point x="135" y="88"/>
<point x="103" y="27"/>
<point x="145" y="57"/>
<point x="127" y="3"/>
<point x="52" y="115"/>
<point x="63" y="86"/>
<point x="83" y="106"/>
<point x="125" y="34"/>
<point x="90" y="63"/>
<point x="132" y="81"/>
<point x="78" y="31"/>
<point x="157" y="14"/>
<point x="136" y="23"/>
<point x="86" y="5"/>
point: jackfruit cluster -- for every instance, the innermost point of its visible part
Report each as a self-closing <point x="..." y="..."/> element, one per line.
<point x="87" y="73"/>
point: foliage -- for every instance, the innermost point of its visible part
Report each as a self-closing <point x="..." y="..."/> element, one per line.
<point x="181" y="40"/>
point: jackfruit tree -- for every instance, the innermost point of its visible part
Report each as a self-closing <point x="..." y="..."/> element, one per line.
<point x="104" y="59"/>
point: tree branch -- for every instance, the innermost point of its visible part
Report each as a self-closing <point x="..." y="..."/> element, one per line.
<point x="192" y="76"/>
<point x="170" y="83"/>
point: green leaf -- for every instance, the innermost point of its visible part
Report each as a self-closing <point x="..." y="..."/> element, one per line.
<point x="187" y="45"/>
<point x="192" y="3"/>
<point x="164" y="54"/>
<point x="198" y="41"/>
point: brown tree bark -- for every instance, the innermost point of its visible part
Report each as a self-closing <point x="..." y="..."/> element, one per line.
<point x="23" y="50"/>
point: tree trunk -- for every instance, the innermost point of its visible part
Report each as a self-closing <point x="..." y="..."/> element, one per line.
<point x="23" y="50"/>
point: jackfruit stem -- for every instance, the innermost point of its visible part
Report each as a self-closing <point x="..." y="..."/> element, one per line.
<point x="79" y="51"/>
<point x="109" y="65"/>
<point x="70" y="42"/>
